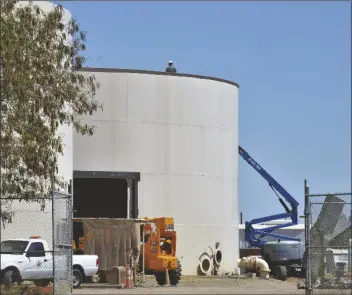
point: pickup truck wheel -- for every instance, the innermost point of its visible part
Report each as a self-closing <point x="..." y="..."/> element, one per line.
<point x="42" y="283"/>
<point x="11" y="276"/>
<point x="8" y="278"/>
<point x="76" y="279"/>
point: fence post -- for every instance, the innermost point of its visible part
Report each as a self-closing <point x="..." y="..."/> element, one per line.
<point x="53" y="231"/>
<point x="307" y="226"/>
<point x="350" y="256"/>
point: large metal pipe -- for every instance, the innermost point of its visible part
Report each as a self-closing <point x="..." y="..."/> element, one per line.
<point x="205" y="265"/>
<point x="255" y="263"/>
<point x="217" y="258"/>
<point x="209" y="251"/>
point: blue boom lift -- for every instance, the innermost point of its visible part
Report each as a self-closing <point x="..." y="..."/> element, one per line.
<point x="285" y="258"/>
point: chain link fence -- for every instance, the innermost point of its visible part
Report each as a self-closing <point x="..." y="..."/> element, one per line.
<point x="62" y="241"/>
<point x="47" y="222"/>
<point x="328" y="242"/>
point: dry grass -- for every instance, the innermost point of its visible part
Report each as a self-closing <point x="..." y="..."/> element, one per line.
<point x="25" y="290"/>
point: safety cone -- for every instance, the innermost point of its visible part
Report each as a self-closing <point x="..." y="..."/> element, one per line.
<point x="129" y="277"/>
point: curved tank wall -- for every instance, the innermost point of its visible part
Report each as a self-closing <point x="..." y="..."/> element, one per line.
<point x="181" y="133"/>
<point x="28" y="219"/>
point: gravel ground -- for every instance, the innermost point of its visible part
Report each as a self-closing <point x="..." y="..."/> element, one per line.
<point x="201" y="285"/>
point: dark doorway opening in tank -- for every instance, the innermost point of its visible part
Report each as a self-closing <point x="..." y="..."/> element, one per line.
<point x="98" y="197"/>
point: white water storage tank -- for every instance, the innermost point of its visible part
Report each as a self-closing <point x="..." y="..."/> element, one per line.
<point x="28" y="219"/>
<point x="65" y="161"/>
<point x="181" y="132"/>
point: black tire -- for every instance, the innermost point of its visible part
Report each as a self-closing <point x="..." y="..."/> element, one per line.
<point x="77" y="278"/>
<point x="281" y="273"/>
<point x="160" y="278"/>
<point x="8" y="278"/>
<point x="42" y="283"/>
<point x="175" y="275"/>
<point x="11" y="276"/>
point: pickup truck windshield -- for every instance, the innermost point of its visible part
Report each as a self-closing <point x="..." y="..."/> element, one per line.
<point x="13" y="247"/>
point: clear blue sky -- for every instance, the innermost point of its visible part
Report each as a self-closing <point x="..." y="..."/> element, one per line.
<point x="291" y="59"/>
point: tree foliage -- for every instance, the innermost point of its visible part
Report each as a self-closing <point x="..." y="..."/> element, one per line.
<point x="41" y="89"/>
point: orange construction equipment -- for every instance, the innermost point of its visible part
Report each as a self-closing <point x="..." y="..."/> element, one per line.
<point x="160" y="250"/>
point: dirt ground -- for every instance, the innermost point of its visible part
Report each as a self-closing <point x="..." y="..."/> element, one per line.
<point x="201" y="285"/>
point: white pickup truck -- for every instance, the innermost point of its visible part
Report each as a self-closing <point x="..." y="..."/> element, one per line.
<point x="31" y="260"/>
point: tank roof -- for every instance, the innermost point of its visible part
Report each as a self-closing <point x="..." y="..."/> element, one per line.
<point x="115" y="70"/>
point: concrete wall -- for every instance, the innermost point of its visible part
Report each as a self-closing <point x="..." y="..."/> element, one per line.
<point x="181" y="133"/>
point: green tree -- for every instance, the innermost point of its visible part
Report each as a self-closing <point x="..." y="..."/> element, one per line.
<point x="41" y="88"/>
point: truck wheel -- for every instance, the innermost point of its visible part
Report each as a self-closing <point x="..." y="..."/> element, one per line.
<point x="281" y="273"/>
<point x="175" y="275"/>
<point x="76" y="279"/>
<point x="8" y="278"/>
<point x="42" y="283"/>
<point x="160" y="278"/>
<point x="11" y="276"/>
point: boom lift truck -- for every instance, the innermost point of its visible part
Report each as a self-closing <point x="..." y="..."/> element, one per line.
<point x="284" y="256"/>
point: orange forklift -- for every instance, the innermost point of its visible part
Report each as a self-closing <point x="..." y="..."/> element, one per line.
<point x="160" y="250"/>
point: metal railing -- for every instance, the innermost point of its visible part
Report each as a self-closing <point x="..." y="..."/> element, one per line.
<point x="328" y="242"/>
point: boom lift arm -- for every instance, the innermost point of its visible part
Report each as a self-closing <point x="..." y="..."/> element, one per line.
<point x="252" y="234"/>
